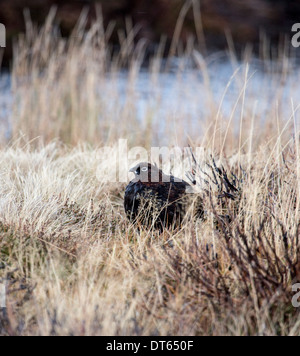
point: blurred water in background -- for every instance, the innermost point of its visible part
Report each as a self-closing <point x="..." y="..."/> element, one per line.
<point x="6" y="100"/>
<point x="189" y="94"/>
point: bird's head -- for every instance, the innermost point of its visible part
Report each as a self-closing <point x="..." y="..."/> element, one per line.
<point x="147" y="173"/>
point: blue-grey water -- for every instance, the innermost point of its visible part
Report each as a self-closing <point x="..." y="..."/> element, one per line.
<point x="6" y="100"/>
<point x="192" y="94"/>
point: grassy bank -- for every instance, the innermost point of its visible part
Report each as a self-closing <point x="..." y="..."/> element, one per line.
<point x="74" y="265"/>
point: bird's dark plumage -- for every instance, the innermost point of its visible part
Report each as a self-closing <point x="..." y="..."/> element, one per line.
<point x="155" y="199"/>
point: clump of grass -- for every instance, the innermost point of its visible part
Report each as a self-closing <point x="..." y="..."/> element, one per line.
<point x="89" y="271"/>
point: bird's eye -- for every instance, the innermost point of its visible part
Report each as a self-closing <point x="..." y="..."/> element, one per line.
<point x="144" y="169"/>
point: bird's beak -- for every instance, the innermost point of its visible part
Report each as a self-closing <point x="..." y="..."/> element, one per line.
<point x="132" y="170"/>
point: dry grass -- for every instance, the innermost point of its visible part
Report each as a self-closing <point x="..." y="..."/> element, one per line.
<point x="72" y="262"/>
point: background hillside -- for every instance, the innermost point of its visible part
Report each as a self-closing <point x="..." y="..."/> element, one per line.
<point x="245" y="20"/>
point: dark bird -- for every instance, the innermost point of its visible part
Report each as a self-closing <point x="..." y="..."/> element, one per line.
<point x="154" y="199"/>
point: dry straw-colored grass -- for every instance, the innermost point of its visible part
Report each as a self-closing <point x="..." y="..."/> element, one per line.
<point x="74" y="265"/>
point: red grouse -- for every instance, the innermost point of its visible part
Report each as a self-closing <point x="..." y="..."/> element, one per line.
<point x="154" y="199"/>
